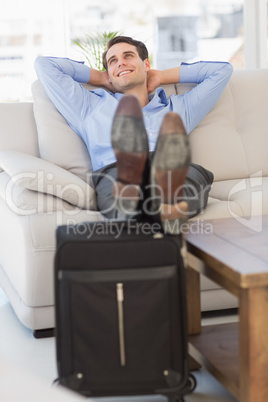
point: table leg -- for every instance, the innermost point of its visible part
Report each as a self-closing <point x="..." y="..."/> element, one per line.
<point x="253" y="353"/>
<point x="193" y="308"/>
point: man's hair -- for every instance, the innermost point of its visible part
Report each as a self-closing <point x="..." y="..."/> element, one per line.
<point x="140" y="46"/>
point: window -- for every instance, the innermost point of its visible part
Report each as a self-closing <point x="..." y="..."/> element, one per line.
<point x="209" y="30"/>
<point x="255" y="23"/>
<point x="173" y="30"/>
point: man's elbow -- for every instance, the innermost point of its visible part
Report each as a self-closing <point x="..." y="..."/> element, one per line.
<point x="39" y="59"/>
<point x="43" y="66"/>
<point x="39" y="62"/>
<point x="229" y="69"/>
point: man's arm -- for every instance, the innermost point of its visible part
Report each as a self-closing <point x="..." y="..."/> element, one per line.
<point x="156" y="78"/>
<point x="61" y="79"/>
<point x="100" y="79"/>
<point x="211" y="79"/>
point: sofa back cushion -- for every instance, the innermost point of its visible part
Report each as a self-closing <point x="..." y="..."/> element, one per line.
<point x="232" y="140"/>
<point x="17" y="128"/>
<point x="58" y="143"/>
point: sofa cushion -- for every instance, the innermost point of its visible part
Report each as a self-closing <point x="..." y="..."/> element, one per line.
<point x="58" y="143"/>
<point x="250" y="194"/>
<point x="28" y="251"/>
<point x="41" y="176"/>
<point x="217" y="138"/>
<point x="232" y="141"/>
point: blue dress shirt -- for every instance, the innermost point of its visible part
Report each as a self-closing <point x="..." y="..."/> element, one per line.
<point x="90" y="113"/>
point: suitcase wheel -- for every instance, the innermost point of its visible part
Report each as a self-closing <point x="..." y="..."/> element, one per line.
<point x="191" y="383"/>
<point x="190" y="386"/>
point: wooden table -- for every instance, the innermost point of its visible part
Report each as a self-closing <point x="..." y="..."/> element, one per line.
<point x="234" y="255"/>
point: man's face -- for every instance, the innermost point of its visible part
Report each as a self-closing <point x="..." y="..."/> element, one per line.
<point x="125" y="68"/>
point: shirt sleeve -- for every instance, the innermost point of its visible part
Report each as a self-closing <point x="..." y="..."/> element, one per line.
<point x="211" y="79"/>
<point x="61" y="79"/>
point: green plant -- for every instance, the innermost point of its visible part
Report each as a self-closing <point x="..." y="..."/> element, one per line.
<point x="92" y="46"/>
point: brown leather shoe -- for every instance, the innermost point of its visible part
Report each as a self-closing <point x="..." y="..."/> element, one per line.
<point x="169" y="170"/>
<point x="130" y="144"/>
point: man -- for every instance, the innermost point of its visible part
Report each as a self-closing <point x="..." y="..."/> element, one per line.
<point x="126" y="124"/>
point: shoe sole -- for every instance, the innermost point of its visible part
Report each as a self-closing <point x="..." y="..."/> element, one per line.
<point x="131" y="153"/>
<point x="169" y="170"/>
<point x="169" y="173"/>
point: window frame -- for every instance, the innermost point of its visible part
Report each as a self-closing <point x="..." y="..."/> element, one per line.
<point x="255" y="33"/>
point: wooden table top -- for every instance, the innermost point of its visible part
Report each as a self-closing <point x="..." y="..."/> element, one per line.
<point x="235" y="250"/>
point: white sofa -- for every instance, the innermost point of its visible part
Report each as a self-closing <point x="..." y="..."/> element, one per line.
<point x="45" y="181"/>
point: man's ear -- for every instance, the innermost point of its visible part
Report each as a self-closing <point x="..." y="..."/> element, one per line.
<point x="147" y="64"/>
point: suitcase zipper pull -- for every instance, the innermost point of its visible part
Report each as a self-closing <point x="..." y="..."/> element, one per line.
<point x="120" y="300"/>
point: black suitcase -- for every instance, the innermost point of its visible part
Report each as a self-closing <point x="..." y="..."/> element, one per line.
<point x="121" y="311"/>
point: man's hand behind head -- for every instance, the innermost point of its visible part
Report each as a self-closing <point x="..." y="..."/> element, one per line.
<point x="106" y="82"/>
<point x="153" y="79"/>
<point x="100" y="79"/>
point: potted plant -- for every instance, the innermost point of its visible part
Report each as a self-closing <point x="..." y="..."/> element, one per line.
<point x="92" y="46"/>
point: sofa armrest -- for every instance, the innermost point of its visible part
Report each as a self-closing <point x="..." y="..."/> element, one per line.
<point x="41" y="176"/>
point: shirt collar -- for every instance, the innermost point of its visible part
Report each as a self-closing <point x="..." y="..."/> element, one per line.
<point x="159" y="99"/>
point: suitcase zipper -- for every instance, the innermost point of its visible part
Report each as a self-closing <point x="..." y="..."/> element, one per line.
<point x="120" y="300"/>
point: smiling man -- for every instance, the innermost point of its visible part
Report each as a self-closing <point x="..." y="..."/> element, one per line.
<point x="127" y="71"/>
<point x="124" y="124"/>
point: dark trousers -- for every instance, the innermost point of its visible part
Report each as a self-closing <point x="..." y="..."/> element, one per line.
<point x="196" y="189"/>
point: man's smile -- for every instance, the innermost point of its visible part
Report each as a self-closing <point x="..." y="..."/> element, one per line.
<point x="124" y="72"/>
